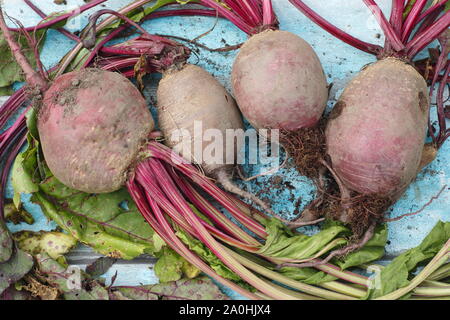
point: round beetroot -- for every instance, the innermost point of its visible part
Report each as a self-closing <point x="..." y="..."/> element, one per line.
<point x="92" y="124"/>
<point x="376" y="132"/>
<point x="278" y="82"/>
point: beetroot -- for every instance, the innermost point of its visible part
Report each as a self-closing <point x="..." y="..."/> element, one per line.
<point x="377" y="129"/>
<point x="91" y="126"/>
<point x="182" y="99"/>
<point x="376" y="132"/>
<point x="278" y="82"/>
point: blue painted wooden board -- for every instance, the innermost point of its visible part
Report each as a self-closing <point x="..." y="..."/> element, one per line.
<point x="340" y="61"/>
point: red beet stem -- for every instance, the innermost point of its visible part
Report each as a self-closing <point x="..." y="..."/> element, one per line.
<point x="16" y="142"/>
<point x="434" y="8"/>
<point x="338" y="33"/>
<point x="149" y="210"/>
<point x="428" y="21"/>
<point x="165" y="154"/>
<point x="443" y="131"/>
<point x="269" y="17"/>
<point x="389" y="32"/>
<point x="412" y="19"/>
<point x="424" y="38"/>
<point x="251" y="16"/>
<point x="396" y="19"/>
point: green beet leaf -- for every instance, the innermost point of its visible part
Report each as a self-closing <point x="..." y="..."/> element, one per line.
<point x="6" y="242"/>
<point x="55" y="244"/>
<point x="282" y="243"/>
<point x="201" y="288"/>
<point x="72" y="283"/>
<point x="10" y="71"/>
<point x="396" y="274"/>
<point x="172" y="267"/>
<point x="14" y="269"/>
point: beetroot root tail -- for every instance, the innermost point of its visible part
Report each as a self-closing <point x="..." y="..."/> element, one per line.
<point x="223" y="178"/>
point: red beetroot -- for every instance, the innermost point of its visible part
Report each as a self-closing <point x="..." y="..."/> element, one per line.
<point x="91" y="125"/>
<point x="278" y="82"/>
<point x="376" y="132"/>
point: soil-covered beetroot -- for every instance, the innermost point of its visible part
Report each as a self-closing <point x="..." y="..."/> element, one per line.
<point x="92" y="124"/>
<point x="192" y="94"/>
<point x="376" y="132"/>
<point x="278" y="82"/>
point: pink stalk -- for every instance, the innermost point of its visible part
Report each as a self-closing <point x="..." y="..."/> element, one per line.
<point x="250" y="11"/>
<point x="11" y="133"/>
<point x="235" y="7"/>
<point x="428" y="20"/>
<point x="162" y="152"/>
<point x="172" y="202"/>
<point x="412" y="19"/>
<point x="420" y="41"/>
<point x="396" y="19"/>
<point x="153" y="15"/>
<point x="244" y="26"/>
<point x="118" y="64"/>
<point x="11" y="106"/>
<point x="338" y="33"/>
<point x="205" y="237"/>
<point x="146" y="179"/>
<point x="443" y="132"/>
<point x="180" y="204"/>
<point x="434" y="8"/>
<point x="211" y="212"/>
<point x="182" y="12"/>
<point x="16" y="143"/>
<point x="389" y="32"/>
<point x="52" y="22"/>
<point x="164" y="230"/>
<point x="32" y="77"/>
<point x="268" y="13"/>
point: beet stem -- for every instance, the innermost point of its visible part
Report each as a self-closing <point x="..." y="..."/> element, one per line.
<point x="438" y="7"/>
<point x="269" y="17"/>
<point x="164" y="230"/>
<point x="224" y="179"/>
<point x="210" y="211"/>
<point x="32" y="77"/>
<point x="389" y="32"/>
<point x="425" y="37"/>
<point x="396" y="19"/>
<point x="168" y="187"/>
<point x="164" y="153"/>
<point x="412" y="19"/>
<point x="338" y="33"/>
